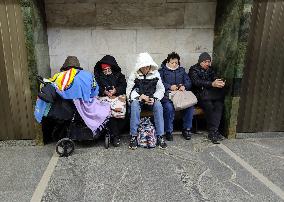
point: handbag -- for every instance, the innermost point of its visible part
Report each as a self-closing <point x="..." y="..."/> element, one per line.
<point x="182" y="99"/>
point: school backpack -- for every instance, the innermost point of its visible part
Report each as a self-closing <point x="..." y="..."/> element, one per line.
<point x="146" y="133"/>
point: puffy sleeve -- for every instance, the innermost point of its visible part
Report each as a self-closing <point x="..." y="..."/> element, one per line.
<point x="130" y="92"/>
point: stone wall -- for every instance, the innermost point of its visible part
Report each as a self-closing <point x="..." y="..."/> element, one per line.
<point x="90" y="29"/>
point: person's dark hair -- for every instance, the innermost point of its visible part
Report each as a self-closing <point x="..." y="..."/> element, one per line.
<point x="172" y="55"/>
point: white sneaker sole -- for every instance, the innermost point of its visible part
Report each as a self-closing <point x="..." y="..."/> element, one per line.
<point x="132" y="148"/>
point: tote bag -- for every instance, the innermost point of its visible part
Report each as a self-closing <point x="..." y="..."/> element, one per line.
<point x="182" y="99"/>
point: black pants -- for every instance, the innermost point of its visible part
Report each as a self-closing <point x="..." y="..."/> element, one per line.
<point x="213" y="110"/>
<point x="115" y="126"/>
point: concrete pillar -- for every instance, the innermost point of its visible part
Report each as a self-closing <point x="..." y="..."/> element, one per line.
<point x="230" y="43"/>
<point x="36" y="41"/>
<point x="37" y="48"/>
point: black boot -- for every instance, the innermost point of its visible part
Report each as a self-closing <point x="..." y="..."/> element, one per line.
<point x="186" y="133"/>
<point x="169" y="136"/>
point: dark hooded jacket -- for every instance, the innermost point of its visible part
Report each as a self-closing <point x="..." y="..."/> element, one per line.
<point x="174" y="77"/>
<point x="201" y="78"/>
<point x="116" y="79"/>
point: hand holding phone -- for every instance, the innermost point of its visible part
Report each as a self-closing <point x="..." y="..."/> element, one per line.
<point x="218" y="83"/>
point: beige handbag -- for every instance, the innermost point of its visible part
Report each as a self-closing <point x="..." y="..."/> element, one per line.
<point x="182" y="99"/>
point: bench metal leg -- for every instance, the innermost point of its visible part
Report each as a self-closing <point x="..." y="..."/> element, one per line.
<point x="196" y="125"/>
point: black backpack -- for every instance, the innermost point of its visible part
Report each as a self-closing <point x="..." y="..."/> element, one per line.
<point x="146" y="86"/>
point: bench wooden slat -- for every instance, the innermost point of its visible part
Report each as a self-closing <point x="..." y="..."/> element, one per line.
<point x="197" y="111"/>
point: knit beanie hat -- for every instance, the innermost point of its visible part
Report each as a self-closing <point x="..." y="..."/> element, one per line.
<point x="204" y="56"/>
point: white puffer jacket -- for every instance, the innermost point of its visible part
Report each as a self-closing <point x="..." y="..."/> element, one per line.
<point x="143" y="60"/>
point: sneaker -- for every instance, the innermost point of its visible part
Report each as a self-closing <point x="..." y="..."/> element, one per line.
<point x="214" y="139"/>
<point x="161" y="142"/>
<point x="186" y="133"/>
<point x="133" y="143"/>
<point x="220" y="137"/>
<point x="169" y="136"/>
<point x="116" y="141"/>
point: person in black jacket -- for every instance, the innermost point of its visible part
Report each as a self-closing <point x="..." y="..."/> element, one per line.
<point x="175" y="78"/>
<point x="209" y="92"/>
<point x="112" y="84"/>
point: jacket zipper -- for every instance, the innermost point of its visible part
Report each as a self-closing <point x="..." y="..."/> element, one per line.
<point x="175" y="78"/>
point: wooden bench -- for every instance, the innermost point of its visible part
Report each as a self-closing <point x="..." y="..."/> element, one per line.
<point x="197" y="112"/>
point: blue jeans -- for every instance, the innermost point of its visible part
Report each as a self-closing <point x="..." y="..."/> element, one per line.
<point x="169" y="116"/>
<point x="157" y="108"/>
